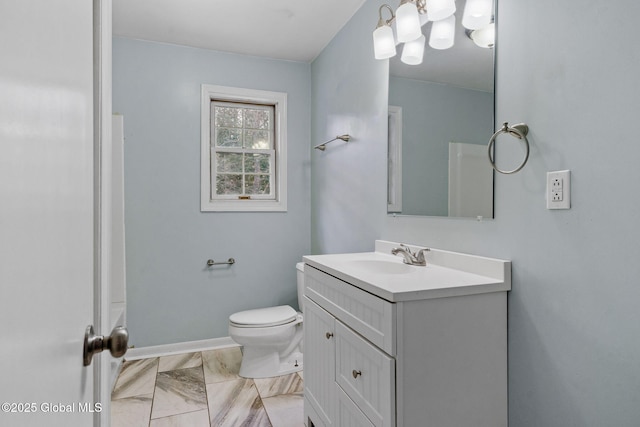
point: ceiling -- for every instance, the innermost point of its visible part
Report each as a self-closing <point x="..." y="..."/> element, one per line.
<point x="295" y="30"/>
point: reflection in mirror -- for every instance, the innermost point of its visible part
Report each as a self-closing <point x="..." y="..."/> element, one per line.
<point x="441" y="117"/>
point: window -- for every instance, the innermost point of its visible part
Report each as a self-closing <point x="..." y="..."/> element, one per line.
<point x="243" y="163"/>
<point x="242" y="151"/>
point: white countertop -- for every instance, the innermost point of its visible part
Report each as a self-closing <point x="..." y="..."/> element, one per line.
<point x="446" y="274"/>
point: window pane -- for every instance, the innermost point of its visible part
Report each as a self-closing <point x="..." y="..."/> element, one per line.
<point x="257" y="139"/>
<point x="257" y="119"/>
<point x="257" y="184"/>
<point x="228" y="184"/>
<point x="257" y="163"/>
<point x="226" y="137"/>
<point x="229" y="162"/>
<point x="229" y="117"/>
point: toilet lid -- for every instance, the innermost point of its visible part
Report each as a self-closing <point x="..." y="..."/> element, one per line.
<point x="261" y="317"/>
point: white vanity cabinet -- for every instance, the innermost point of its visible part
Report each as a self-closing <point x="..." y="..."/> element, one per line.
<point x="426" y="359"/>
<point x="344" y="363"/>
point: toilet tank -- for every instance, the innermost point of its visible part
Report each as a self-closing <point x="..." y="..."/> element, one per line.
<point x="300" y="278"/>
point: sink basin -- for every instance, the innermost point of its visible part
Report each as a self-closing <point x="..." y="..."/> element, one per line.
<point x="382" y="267"/>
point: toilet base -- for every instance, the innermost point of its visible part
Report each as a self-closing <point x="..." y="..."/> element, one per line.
<point x="258" y="363"/>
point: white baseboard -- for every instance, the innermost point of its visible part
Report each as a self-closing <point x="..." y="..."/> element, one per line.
<point x="178" y="348"/>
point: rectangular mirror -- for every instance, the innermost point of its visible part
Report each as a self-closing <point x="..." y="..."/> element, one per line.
<point x="441" y="117"/>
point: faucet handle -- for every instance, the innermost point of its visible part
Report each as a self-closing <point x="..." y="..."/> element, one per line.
<point x="407" y="248"/>
<point x="420" y="255"/>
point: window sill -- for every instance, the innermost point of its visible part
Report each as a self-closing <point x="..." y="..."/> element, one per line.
<point x="243" y="206"/>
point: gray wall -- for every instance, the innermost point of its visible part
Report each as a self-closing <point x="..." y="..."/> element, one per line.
<point x="172" y="296"/>
<point x="349" y="95"/>
<point x="574" y="315"/>
<point x="433" y="115"/>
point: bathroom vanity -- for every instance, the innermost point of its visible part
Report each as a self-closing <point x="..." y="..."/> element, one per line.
<point x="389" y="344"/>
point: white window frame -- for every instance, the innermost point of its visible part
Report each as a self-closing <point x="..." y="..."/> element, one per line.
<point x="247" y="96"/>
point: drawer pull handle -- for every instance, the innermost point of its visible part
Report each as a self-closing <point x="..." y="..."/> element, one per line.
<point x="328" y="335"/>
<point x="356" y="373"/>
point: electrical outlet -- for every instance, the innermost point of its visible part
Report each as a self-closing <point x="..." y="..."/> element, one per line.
<point x="556" y="189"/>
<point x="559" y="190"/>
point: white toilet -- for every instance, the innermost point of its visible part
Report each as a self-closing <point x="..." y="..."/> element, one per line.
<point x="271" y="337"/>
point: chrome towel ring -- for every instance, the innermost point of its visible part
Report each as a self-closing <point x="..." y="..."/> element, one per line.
<point x="519" y="131"/>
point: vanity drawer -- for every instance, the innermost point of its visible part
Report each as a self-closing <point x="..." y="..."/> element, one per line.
<point x="370" y="316"/>
<point x="367" y="376"/>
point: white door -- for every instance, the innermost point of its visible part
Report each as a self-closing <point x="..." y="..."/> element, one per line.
<point x="47" y="236"/>
<point x="109" y="220"/>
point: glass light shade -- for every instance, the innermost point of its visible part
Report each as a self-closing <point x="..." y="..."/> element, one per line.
<point x="408" y="23"/>
<point x="413" y="51"/>
<point x="485" y="36"/>
<point x="443" y="33"/>
<point x="440" y="9"/>
<point x="477" y="14"/>
<point x="383" y="44"/>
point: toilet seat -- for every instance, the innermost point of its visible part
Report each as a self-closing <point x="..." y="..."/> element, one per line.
<point x="263" y="317"/>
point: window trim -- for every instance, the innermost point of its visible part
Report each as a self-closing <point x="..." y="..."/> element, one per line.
<point x="251" y="96"/>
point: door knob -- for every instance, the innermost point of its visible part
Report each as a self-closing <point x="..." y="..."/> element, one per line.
<point x="356" y="374"/>
<point x="116" y="343"/>
<point x="328" y="335"/>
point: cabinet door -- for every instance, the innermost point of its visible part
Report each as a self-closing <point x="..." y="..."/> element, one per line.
<point x="348" y="413"/>
<point x="319" y="363"/>
<point x="367" y="375"/>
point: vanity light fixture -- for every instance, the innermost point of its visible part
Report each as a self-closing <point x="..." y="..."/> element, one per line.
<point x="384" y="45"/>
<point x="413" y="51"/>
<point x="477" y="14"/>
<point x="408" y="26"/>
<point x="483" y="37"/>
<point x="440" y="9"/>
<point x="443" y="33"/>
<point x="412" y="14"/>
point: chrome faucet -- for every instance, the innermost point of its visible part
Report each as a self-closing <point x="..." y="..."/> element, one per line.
<point x="411" y="258"/>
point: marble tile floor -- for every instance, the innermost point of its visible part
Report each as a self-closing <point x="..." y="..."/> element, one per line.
<point x="203" y="389"/>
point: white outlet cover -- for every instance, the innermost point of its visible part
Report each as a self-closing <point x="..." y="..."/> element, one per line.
<point x="559" y="196"/>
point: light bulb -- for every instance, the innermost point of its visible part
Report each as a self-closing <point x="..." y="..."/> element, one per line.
<point x="440" y="9"/>
<point x="443" y="33"/>
<point x="413" y="51"/>
<point x="383" y="44"/>
<point x="477" y="14"/>
<point x="408" y="23"/>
